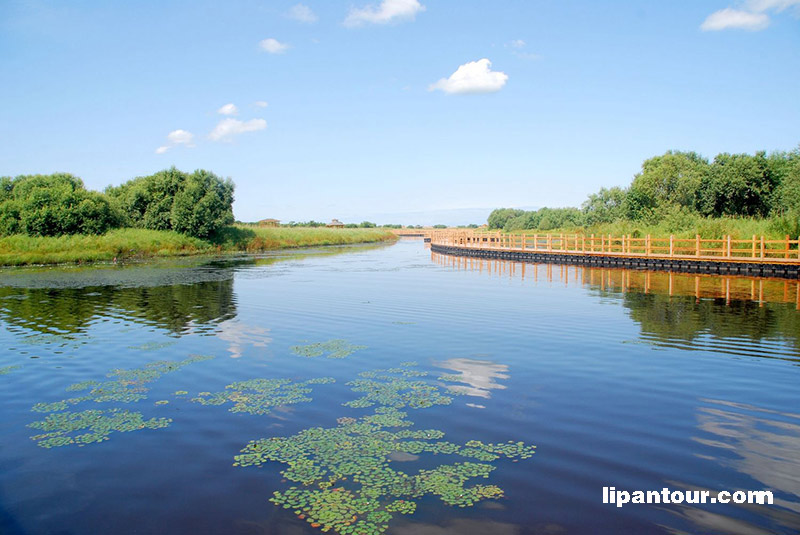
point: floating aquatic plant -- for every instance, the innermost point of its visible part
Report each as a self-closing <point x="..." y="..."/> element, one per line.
<point x="335" y="349"/>
<point x="259" y="396"/>
<point x="154" y="346"/>
<point x="65" y="428"/>
<point x="394" y="388"/>
<point x="127" y="387"/>
<point x="7" y="369"/>
<point x="346" y="482"/>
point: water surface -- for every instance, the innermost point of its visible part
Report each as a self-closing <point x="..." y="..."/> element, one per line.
<point x="619" y="378"/>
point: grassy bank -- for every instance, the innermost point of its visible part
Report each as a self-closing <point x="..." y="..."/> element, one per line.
<point x="130" y="243"/>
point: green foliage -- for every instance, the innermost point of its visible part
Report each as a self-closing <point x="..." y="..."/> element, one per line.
<point x="367" y="224"/>
<point x="63" y="429"/>
<point x="258" y="396"/>
<point x="682" y="191"/>
<point x="196" y="204"/>
<point x="737" y="185"/>
<point x="128" y="386"/>
<point x="394" y="388"/>
<point x="335" y="349"/>
<point x="500" y="216"/>
<point x="345" y="481"/>
<point x="53" y="205"/>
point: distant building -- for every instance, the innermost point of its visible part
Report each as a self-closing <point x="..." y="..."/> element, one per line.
<point x="269" y="223"/>
<point x="335" y="223"/>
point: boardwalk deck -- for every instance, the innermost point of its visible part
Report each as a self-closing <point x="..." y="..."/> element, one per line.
<point x="757" y="256"/>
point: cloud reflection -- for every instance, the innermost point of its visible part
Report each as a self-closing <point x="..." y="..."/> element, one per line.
<point x="478" y="375"/>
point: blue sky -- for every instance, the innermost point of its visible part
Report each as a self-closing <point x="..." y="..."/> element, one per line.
<point x="385" y="109"/>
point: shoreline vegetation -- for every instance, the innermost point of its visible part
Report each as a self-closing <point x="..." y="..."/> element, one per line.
<point x="54" y="219"/>
<point x="682" y="194"/>
<point x="138" y="244"/>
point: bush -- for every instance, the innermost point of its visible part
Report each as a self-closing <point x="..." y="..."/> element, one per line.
<point x="53" y="205"/>
<point x="196" y="204"/>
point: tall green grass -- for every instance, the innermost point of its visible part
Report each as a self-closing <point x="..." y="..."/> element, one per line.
<point x="124" y="244"/>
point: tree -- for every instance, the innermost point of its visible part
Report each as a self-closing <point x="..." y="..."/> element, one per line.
<point x="197" y="204"/>
<point x="671" y="179"/>
<point x="604" y="206"/>
<point x="53" y="205"/>
<point x="738" y="185"/>
<point x="500" y="216"/>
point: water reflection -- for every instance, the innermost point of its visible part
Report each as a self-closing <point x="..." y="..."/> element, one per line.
<point x="673" y="308"/>
<point x="61" y="312"/>
<point x="241" y="335"/>
<point x="478" y="375"/>
<point x="759" y="443"/>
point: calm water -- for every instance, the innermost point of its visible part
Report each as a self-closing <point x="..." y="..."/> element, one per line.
<point x="617" y="383"/>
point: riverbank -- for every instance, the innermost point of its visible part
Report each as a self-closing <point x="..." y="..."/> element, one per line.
<point x="128" y="243"/>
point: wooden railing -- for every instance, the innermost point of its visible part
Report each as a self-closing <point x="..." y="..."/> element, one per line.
<point x="757" y="249"/>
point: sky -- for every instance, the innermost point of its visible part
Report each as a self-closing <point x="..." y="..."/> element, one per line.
<point x="392" y="111"/>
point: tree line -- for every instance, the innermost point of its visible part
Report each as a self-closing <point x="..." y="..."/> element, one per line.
<point x="196" y="204"/>
<point x="682" y="186"/>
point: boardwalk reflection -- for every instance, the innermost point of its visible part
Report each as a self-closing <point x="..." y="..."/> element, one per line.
<point x="673" y="308"/>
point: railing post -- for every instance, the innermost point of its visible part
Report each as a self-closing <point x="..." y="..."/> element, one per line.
<point x="602" y="243"/>
<point x="549" y="242"/>
<point x="729" y="246"/>
<point x="762" y="246"/>
<point x="697" y="245"/>
<point x="786" y="255"/>
<point x="754" y="245"/>
<point x="592" y="243"/>
<point x="583" y="243"/>
<point x="647" y="244"/>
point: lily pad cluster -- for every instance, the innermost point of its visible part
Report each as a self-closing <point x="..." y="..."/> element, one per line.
<point x="127" y="387"/>
<point x="86" y="427"/>
<point x="7" y="369"/>
<point x="398" y="388"/>
<point x="335" y="349"/>
<point x="345" y="479"/>
<point x="259" y="396"/>
<point x="64" y="427"/>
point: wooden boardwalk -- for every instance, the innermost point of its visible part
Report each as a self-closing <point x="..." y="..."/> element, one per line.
<point x="756" y="256"/>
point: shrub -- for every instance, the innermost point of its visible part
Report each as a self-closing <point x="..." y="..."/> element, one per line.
<point x="53" y="205"/>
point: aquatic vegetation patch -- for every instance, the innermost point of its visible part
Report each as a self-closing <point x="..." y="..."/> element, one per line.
<point x="7" y="369"/>
<point x="154" y="346"/>
<point x="127" y="387"/>
<point x="86" y="427"/>
<point x="346" y="482"/>
<point x="259" y="396"/>
<point x="335" y="349"/>
<point x="395" y="387"/>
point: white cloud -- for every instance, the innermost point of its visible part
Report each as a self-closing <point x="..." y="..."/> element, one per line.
<point x="175" y="138"/>
<point x="729" y="18"/>
<point x="227" y="128"/>
<point x="228" y="109"/>
<point x="517" y="43"/>
<point x="472" y="77"/>
<point x="387" y="11"/>
<point x="273" y="46"/>
<point x="777" y="5"/>
<point x="302" y="13"/>
<point x="751" y="16"/>
<point x="261" y="103"/>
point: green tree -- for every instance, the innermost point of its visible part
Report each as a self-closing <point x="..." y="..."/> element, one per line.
<point x="500" y="216"/>
<point x="604" y="206"/>
<point x="53" y="205"/>
<point x="197" y="204"/>
<point x="738" y="185"/>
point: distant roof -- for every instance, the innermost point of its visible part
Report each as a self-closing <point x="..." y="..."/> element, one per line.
<point x="336" y="222"/>
<point x="270" y="221"/>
